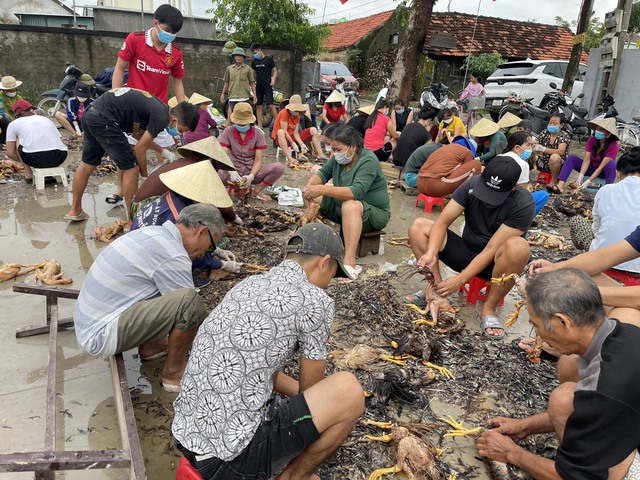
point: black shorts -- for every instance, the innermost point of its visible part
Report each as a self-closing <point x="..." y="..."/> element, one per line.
<point x="48" y="159"/>
<point x="103" y="135"/>
<point x="384" y="152"/>
<point x="264" y="94"/>
<point x="457" y="256"/>
<point x="282" y="436"/>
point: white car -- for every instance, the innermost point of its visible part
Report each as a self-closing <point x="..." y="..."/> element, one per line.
<point x="528" y="79"/>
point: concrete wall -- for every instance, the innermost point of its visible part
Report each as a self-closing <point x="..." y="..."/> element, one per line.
<point x="115" y="20"/>
<point x="38" y="57"/>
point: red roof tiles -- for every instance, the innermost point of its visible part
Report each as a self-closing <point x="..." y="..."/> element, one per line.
<point x="347" y="34"/>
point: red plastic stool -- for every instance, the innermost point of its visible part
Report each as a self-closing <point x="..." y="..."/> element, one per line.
<point x="628" y="280"/>
<point x="234" y="191"/>
<point x="429" y="202"/>
<point x="473" y="288"/>
<point x="544" y="177"/>
<point x="186" y="471"/>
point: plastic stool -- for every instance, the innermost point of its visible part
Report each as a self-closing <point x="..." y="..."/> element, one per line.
<point x="628" y="280"/>
<point x="544" y="177"/>
<point x="39" y="174"/>
<point x="473" y="288"/>
<point x="429" y="202"/>
<point x="186" y="471"/>
<point x="234" y="191"/>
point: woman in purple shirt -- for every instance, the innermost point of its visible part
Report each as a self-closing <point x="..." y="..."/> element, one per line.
<point x="599" y="159"/>
<point x="205" y="123"/>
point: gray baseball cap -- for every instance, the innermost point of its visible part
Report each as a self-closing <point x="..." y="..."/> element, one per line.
<point x="319" y="239"/>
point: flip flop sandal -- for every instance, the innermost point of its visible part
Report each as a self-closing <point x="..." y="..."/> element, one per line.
<point x="113" y="198"/>
<point x="161" y="354"/>
<point x="419" y="298"/>
<point x="170" y="387"/>
<point x="554" y="189"/>
<point x="352" y="271"/>
<point x="77" y="218"/>
<point x="491" y="321"/>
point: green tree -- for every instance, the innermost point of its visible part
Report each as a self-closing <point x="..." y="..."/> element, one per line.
<point x="484" y="64"/>
<point x="595" y="32"/>
<point x="277" y="23"/>
<point x="634" y="19"/>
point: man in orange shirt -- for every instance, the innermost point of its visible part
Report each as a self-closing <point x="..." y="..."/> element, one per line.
<point x="287" y="134"/>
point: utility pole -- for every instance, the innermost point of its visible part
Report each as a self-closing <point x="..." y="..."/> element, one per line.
<point x="625" y="6"/>
<point x="586" y="10"/>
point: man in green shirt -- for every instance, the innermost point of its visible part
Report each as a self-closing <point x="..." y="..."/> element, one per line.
<point x="416" y="160"/>
<point x="358" y="199"/>
<point x="239" y="81"/>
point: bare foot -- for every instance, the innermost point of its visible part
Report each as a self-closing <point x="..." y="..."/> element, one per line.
<point x="152" y="349"/>
<point x="262" y="196"/>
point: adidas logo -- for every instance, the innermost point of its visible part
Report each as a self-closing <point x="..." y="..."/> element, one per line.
<point x="494" y="183"/>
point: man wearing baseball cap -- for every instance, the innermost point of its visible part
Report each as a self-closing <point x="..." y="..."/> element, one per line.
<point x="229" y="419"/>
<point x="497" y="215"/>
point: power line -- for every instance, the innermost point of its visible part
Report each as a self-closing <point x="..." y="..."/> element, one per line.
<point x="352" y="8"/>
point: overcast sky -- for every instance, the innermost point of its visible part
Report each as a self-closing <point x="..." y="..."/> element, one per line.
<point x="544" y="11"/>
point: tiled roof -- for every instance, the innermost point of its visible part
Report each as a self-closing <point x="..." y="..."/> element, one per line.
<point x="347" y="34"/>
<point x="510" y="38"/>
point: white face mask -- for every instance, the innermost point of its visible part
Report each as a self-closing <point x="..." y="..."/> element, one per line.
<point x="82" y="99"/>
<point x="448" y="121"/>
<point x="11" y="94"/>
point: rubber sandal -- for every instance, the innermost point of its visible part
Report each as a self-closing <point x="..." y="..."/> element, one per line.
<point x="353" y="271"/>
<point x="169" y="387"/>
<point x="113" y="198"/>
<point x="77" y="218"/>
<point x="554" y="189"/>
<point x="419" y="298"/>
<point x="161" y="354"/>
<point x="491" y="321"/>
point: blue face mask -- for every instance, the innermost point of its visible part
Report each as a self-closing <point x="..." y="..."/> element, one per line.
<point x="242" y="128"/>
<point x="173" y="131"/>
<point x="165" y="37"/>
<point x="256" y="56"/>
<point x="526" y="154"/>
<point x="553" y="128"/>
<point x="399" y="112"/>
<point x="599" y="135"/>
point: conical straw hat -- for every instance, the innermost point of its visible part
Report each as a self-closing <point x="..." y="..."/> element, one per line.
<point x="368" y="110"/>
<point x="484" y="128"/>
<point x="509" y="120"/>
<point x="210" y="148"/>
<point x="608" y="124"/>
<point x="335" y="96"/>
<point x="198" y="182"/>
<point x="197" y="99"/>
<point x="173" y="101"/>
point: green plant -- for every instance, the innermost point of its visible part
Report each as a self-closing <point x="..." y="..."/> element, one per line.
<point x="31" y="93"/>
<point x="484" y="64"/>
<point x="354" y="61"/>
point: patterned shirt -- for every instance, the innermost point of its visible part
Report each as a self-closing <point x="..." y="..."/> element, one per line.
<point x="249" y="336"/>
<point x="143" y="264"/>
<point x="544" y="139"/>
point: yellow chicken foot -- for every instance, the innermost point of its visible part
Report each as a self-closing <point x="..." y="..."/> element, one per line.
<point x="511" y="319"/>
<point x="380" y="472"/>
<point x="441" y="370"/>
<point x="504" y="278"/>
<point x="422" y="321"/>
<point x="415" y="307"/>
<point x="382" y="438"/>
<point x="391" y="359"/>
<point x="251" y="266"/>
<point x="459" y="430"/>
<point x="385" y="425"/>
<point x="453" y="476"/>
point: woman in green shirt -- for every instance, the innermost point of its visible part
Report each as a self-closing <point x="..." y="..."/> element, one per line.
<point x="358" y="199"/>
<point x="490" y="139"/>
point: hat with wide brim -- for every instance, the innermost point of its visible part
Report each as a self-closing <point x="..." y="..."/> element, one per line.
<point x="239" y="51"/>
<point x="509" y="120"/>
<point x="173" y="101"/>
<point x="608" y="124"/>
<point x="197" y="99"/>
<point x="243" y="114"/>
<point x="484" y="128"/>
<point x="295" y="104"/>
<point x="368" y="110"/>
<point x="198" y="182"/>
<point x="465" y="142"/>
<point x="335" y="96"/>
<point x="307" y="111"/>
<point x="87" y="79"/>
<point x="209" y="147"/>
<point x="9" y="83"/>
<point x="228" y="47"/>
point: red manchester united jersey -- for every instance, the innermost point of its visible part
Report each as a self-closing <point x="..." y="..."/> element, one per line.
<point x="150" y="68"/>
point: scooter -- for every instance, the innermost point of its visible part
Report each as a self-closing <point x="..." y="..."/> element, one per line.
<point x="521" y="106"/>
<point x="562" y="103"/>
<point x="437" y="96"/>
<point x="56" y="99"/>
<point x="352" y="103"/>
<point x="315" y="97"/>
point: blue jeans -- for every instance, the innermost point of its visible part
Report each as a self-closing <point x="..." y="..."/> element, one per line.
<point x="541" y="197"/>
<point x="412" y="179"/>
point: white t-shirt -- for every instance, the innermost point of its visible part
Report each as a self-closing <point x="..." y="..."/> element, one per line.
<point x="35" y="133"/>
<point x="524" y="175"/>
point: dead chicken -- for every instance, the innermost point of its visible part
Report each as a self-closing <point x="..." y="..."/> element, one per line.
<point x="364" y="357"/>
<point x="50" y="273"/>
<point x="9" y="167"/>
<point x="107" y="232"/>
<point x="311" y="214"/>
<point x="547" y="240"/>
<point x="402" y="385"/>
<point x="13" y="270"/>
<point x="415" y="455"/>
<point x="437" y="304"/>
<point x="419" y="346"/>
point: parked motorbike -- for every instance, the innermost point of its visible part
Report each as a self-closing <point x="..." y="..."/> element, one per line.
<point x="315" y="97"/>
<point x="56" y="99"/>
<point x="561" y="102"/>
<point x="521" y="106"/>
<point x="352" y="103"/>
<point x="606" y="108"/>
<point x="437" y="96"/>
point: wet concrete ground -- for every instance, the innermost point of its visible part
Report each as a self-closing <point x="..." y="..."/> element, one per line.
<point x="32" y="229"/>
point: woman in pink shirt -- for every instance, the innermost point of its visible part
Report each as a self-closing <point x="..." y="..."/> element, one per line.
<point x="206" y="124"/>
<point x="380" y="133"/>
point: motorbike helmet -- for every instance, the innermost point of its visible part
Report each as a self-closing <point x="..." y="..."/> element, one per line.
<point x="82" y="91"/>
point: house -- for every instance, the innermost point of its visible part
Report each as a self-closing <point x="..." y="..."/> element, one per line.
<point x="447" y="44"/>
<point x="41" y="13"/>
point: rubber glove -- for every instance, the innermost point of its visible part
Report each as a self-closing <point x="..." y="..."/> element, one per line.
<point x="167" y="155"/>
<point x="233" y="267"/>
<point x="303" y="148"/>
<point x="235" y="177"/>
<point x="248" y="179"/>
<point x="539" y="148"/>
<point x="78" y="132"/>
<point x="238" y="221"/>
<point x="586" y="183"/>
<point x="224" y="254"/>
<point x="580" y="178"/>
<point x="295" y="147"/>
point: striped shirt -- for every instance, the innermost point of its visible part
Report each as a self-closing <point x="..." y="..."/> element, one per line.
<point x="142" y="264"/>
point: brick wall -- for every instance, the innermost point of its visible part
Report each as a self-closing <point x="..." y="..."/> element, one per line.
<point x="38" y="57"/>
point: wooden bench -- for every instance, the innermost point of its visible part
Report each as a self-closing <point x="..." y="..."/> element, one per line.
<point x="47" y="462"/>
<point x="369" y="243"/>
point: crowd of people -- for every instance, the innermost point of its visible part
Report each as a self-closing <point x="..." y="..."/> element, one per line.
<point x="237" y="414"/>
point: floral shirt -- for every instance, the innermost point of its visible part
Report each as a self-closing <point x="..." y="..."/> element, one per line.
<point x="248" y="337"/>
<point x="545" y="139"/>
